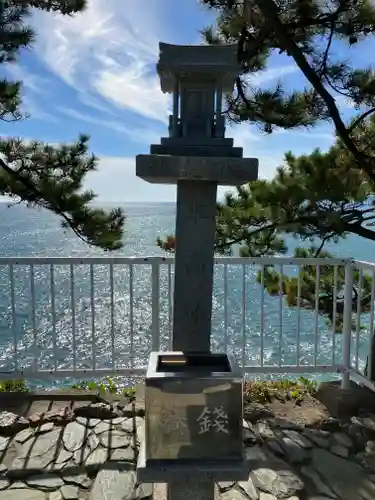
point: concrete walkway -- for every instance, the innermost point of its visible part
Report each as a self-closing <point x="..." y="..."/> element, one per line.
<point x="90" y="452"/>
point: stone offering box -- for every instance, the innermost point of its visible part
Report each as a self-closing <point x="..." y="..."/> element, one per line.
<point x="194" y="412"/>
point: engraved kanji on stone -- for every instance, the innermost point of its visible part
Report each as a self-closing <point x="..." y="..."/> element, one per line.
<point x="172" y="422"/>
<point x="220" y="421"/>
<point x="216" y="420"/>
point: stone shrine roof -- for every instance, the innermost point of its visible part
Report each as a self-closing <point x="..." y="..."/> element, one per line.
<point x="200" y="62"/>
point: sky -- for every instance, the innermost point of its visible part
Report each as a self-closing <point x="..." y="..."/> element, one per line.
<point x="95" y="74"/>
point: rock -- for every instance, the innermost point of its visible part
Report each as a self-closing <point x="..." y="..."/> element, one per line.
<point x="69" y="492"/>
<point x="46" y="482"/>
<point x="77" y="476"/>
<point x="358" y="435"/>
<point x="271" y="474"/>
<point x="368" y="422"/>
<point x="367" y="461"/>
<point x="91" y="444"/>
<point x="320" y="487"/>
<point x="370" y="448"/>
<point x="117" y="420"/>
<point x="11" y="423"/>
<point x="264" y="431"/>
<point x="97" y="410"/>
<point x="131" y="424"/>
<point x="339" y="450"/>
<point x="35" y="454"/>
<point x="24" y="494"/>
<point x="88" y="422"/>
<point x="39" y="445"/>
<point x="60" y="415"/>
<point x="115" y="439"/>
<point x="266" y="496"/>
<point x="318" y="437"/>
<point x="124" y="455"/>
<point x="330" y="424"/>
<point x="301" y="440"/>
<point x="80" y="456"/>
<point x="233" y="494"/>
<point x="248" y="436"/>
<point x="63" y="456"/>
<point x="275" y="447"/>
<point x="23" y="436"/>
<point x="144" y="490"/>
<point x="342" y="439"/>
<point x="254" y="412"/>
<point x="103" y="427"/>
<point x="3" y="468"/>
<point x="345" y="478"/>
<point x="225" y="485"/>
<point x="19" y="485"/>
<point x="249" y="488"/>
<point x="74" y="436"/>
<point x="54" y="467"/>
<point x="286" y="425"/>
<point x="24" y="467"/>
<point x="134" y="409"/>
<point x="4" y="483"/>
<point x="97" y="458"/>
<point x="46" y="427"/>
<point x="110" y="484"/>
<point x="293" y="451"/>
<point x="4" y="443"/>
<point x="55" y="495"/>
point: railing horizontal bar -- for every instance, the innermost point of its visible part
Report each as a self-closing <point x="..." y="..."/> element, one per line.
<point x="22" y="261"/>
<point x="361" y="379"/>
<point x="47" y="374"/>
<point x="293" y="369"/>
<point x="148" y="260"/>
<point x="55" y="375"/>
<point x="364" y="265"/>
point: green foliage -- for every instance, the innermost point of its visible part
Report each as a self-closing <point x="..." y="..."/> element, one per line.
<point x="39" y="174"/>
<point x="317" y="32"/>
<point x="13" y="386"/>
<point x="320" y="196"/>
<point x="263" y="392"/>
<point x="105" y="385"/>
<point x="320" y="292"/>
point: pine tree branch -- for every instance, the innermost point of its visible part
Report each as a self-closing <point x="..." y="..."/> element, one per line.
<point x="39" y="196"/>
<point x="323" y="68"/>
<point x="270" y="12"/>
<point x="360" y="119"/>
<point x="320" y="248"/>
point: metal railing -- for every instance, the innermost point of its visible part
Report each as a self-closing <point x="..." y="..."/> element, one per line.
<point x="95" y="316"/>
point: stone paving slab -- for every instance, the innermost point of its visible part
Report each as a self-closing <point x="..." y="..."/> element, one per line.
<point x="92" y="455"/>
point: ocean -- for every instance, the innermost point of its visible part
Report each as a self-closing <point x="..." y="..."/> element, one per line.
<point x="26" y="232"/>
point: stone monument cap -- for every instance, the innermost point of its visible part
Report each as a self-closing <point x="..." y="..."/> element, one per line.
<point x="213" y="62"/>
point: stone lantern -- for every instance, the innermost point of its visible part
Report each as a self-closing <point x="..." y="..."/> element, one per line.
<point x="193" y="398"/>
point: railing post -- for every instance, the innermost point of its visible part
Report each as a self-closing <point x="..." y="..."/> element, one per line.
<point x="347" y="324"/>
<point x="155" y="304"/>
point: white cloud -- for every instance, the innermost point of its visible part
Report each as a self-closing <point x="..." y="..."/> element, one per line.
<point x="108" y="52"/>
<point x="115" y="181"/>
<point x="266" y="75"/>
<point x="135" y="134"/>
<point x="344" y="102"/>
<point x="31" y="82"/>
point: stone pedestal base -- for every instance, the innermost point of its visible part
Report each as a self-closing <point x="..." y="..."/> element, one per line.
<point x="167" y="169"/>
<point x="344" y="403"/>
<point x="191" y="488"/>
